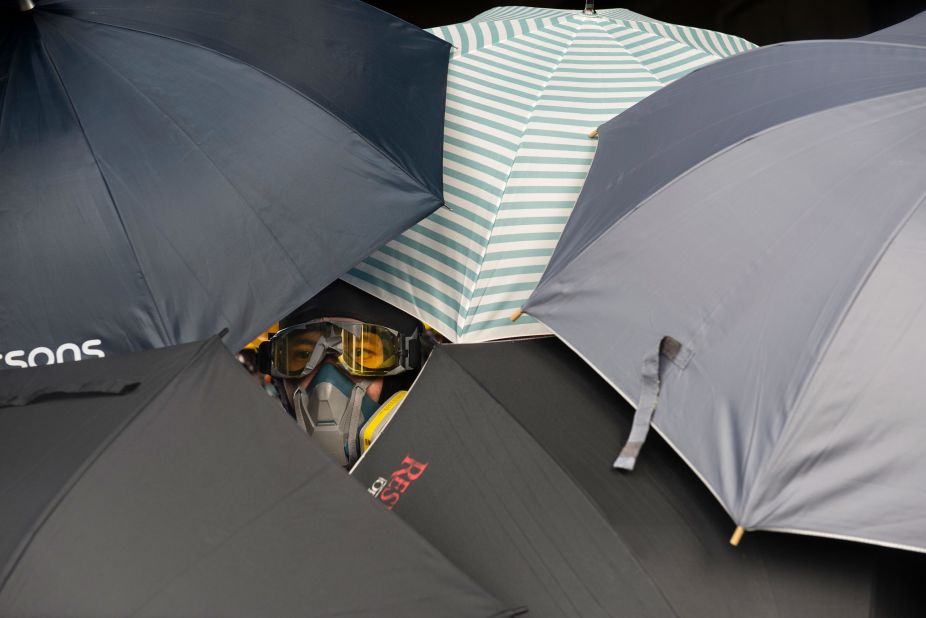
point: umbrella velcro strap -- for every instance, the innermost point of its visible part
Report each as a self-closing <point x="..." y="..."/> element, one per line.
<point x="88" y="388"/>
<point x="675" y="352"/>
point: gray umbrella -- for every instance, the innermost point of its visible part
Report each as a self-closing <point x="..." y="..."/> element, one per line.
<point x="767" y="235"/>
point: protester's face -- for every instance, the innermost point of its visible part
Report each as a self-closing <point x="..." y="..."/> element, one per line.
<point x="300" y="351"/>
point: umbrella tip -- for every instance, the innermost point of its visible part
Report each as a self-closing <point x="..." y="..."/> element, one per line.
<point x="517" y="314"/>
<point x="737" y="536"/>
<point x="593" y="134"/>
<point x="26" y="5"/>
<point x="589" y="8"/>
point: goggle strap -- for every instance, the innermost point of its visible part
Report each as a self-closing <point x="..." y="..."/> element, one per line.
<point x="412" y="352"/>
<point x="322" y="346"/>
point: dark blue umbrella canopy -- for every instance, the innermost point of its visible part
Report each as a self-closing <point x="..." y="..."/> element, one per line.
<point x="172" y="169"/>
<point x="746" y="264"/>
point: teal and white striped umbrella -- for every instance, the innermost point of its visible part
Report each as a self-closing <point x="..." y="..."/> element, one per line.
<point x="525" y="88"/>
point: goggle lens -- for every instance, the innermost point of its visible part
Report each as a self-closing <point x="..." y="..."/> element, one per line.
<point x="369" y="350"/>
<point x="364" y="350"/>
<point x="292" y="351"/>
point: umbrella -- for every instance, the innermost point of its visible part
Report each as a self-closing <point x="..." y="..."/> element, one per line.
<point x="171" y="169"/>
<point x="525" y="87"/>
<point x="164" y="483"/>
<point x="517" y="438"/>
<point x="767" y="235"/>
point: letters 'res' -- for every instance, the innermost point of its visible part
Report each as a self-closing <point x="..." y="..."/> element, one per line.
<point x="389" y="497"/>
<point x="413" y="468"/>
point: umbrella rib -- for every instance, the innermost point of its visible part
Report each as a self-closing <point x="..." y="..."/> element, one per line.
<point x="535" y="24"/>
<point x="161" y="322"/>
<point x="6" y="92"/>
<point x="322" y="470"/>
<point x="640" y="62"/>
<point x="655" y="424"/>
<point x="824" y="349"/>
<point x="214" y="166"/>
<point x="562" y="469"/>
<point x="471" y="301"/>
<point x="303" y="95"/>
<point x="603" y="233"/>
<point x="85" y="467"/>
<point x="746" y="506"/>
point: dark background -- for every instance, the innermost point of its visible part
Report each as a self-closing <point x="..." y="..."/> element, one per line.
<point x="759" y="21"/>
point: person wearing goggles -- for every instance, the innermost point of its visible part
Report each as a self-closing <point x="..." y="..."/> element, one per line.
<point x="340" y="364"/>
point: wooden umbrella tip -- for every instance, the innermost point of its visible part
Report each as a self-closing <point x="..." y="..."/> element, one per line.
<point x="737" y="536"/>
<point x="593" y="134"/>
<point x="517" y="314"/>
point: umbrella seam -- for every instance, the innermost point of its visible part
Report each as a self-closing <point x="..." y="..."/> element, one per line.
<point x="536" y="24"/>
<point x="62" y="494"/>
<point x="417" y="181"/>
<point x="471" y="296"/>
<point x="541" y="568"/>
<point x="634" y="405"/>
<point x="824" y="349"/>
<point x="562" y="469"/>
<point x="511" y="611"/>
<point x="688" y="171"/>
<point x="639" y="62"/>
<point x="607" y="228"/>
<point x="322" y="470"/>
<point x="708" y="321"/>
<point x="161" y="322"/>
<point x="166" y="237"/>
<point x="6" y="93"/>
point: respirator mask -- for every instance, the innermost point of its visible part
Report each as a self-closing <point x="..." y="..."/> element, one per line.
<point x="333" y="407"/>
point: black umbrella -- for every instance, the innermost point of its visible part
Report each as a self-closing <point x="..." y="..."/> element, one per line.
<point x="513" y="482"/>
<point x="171" y="169"/>
<point x="165" y="483"/>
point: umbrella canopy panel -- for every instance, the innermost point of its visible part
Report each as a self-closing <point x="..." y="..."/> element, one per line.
<point x="525" y="87"/>
<point x="519" y="491"/>
<point x="167" y="484"/>
<point x="167" y="171"/>
<point x="779" y="242"/>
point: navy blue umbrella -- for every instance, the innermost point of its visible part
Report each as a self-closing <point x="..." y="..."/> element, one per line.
<point x="172" y="169"/>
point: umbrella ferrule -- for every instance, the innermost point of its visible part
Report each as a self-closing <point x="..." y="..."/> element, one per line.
<point x="26" y="5"/>
<point x="589" y="8"/>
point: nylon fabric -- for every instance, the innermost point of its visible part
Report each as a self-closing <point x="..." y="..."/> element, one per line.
<point x="194" y="495"/>
<point x="525" y="87"/>
<point x="791" y="273"/>
<point x="163" y="168"/>
<point x="518" y="438"/>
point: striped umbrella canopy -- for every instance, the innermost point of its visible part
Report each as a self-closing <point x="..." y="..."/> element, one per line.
<point x="525" y="88"/>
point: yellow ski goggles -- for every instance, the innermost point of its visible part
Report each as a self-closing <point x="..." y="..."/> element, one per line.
<point x="362" y="349"/>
